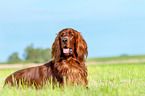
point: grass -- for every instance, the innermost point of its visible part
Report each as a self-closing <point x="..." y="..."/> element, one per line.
<point x="104" y="80"/>
<point x="104" y="59"/>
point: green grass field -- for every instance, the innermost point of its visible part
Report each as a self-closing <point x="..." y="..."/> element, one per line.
<point x="105" y="59"/>
<point x="104" y="80"/>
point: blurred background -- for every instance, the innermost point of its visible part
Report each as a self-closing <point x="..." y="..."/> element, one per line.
<point x="110" y="27"/>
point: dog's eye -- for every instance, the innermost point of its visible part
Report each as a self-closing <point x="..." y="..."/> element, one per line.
<point x="71" y="35"/>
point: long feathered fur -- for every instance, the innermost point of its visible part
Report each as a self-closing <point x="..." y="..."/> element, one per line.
<point x="73" y="68"/>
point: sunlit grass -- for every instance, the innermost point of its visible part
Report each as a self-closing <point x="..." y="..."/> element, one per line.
<point x="119" y="58"/>
<point x="104" y="80"/>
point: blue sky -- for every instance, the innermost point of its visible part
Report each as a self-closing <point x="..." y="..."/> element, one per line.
<point x="110" y="27"/>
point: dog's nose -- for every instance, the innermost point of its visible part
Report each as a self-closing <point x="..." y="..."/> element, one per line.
<point x="64" y="40"/>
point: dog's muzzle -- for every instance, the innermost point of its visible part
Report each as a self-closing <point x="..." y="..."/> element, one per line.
<point x="67" y="50"/>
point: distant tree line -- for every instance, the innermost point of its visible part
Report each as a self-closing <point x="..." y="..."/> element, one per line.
<point x="31" y="55"/>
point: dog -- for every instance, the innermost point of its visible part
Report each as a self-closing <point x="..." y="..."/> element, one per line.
<point x="69" y="51"/>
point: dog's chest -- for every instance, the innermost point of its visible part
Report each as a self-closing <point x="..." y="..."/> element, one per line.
<point x="71" y="71"/>
<point x="68" y="68"/>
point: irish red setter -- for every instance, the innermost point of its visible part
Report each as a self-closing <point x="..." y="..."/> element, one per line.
<point x="68" y="65"/>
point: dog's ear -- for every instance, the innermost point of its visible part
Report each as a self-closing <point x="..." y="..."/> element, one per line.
<point x="56" y="51"/>
<point x="81" y="47"/>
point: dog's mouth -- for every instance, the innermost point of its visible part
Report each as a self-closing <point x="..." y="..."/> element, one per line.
<point x="67" y="50"/>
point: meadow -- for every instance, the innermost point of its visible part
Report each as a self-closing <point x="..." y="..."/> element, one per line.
<point x="118" y="58"/>
<point x="104" y="80"/>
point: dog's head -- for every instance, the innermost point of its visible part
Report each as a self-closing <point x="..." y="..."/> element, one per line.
<point x="69" y="43"/>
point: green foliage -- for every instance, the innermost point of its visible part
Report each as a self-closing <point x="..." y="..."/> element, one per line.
<point x="31" y="55"/>
<point x="37" y="55"/>
<point x="104" y="80"/>
<point x="14" y="58"/>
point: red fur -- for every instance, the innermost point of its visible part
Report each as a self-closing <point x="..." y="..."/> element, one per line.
<point x="70" y="66"/>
